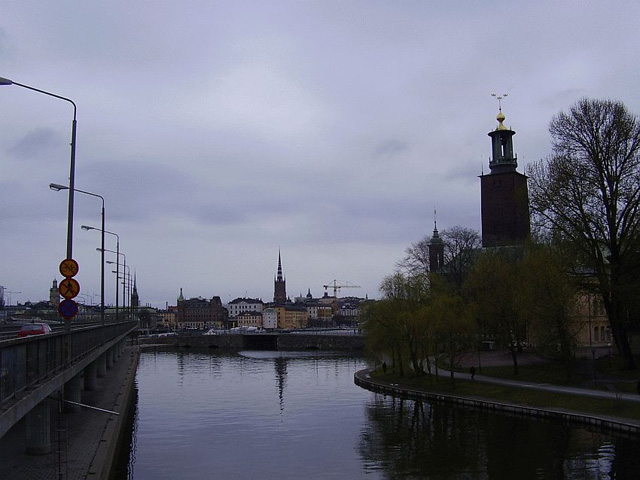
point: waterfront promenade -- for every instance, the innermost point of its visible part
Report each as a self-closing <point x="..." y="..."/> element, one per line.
<point x="91" y="435"/>
<point x="364" y="380"/>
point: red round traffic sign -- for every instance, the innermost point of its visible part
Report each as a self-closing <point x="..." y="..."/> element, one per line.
<point x="69" y="268"/>
<point x="69" y="288"/>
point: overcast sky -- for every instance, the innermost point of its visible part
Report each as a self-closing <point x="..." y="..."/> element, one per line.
<point x="220" y="132"/>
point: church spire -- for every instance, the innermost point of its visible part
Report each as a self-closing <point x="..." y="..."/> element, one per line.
<point x="436" y="248"/>
<point x="279" y="284"/>
<point x="279" y="277"/>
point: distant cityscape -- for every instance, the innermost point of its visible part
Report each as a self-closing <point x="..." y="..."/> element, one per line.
<point x="203" y="314"/>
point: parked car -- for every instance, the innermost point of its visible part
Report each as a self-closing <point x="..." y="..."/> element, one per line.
<point x="34" y="329"/>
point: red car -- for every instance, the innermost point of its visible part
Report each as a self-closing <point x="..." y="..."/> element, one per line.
<point x="34" y="329"/>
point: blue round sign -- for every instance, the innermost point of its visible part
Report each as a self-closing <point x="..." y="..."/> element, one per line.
<point x="68" y="309"/>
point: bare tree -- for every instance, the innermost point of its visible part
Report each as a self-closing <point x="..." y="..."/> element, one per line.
<point x="460" y="247"/>
<point x="587" y="193"/>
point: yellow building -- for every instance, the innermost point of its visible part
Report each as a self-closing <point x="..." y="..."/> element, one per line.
<point x="292" y="317"/>
<point x="592" y="321"/>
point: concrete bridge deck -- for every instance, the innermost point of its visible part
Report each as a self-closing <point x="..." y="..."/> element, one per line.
<point x="40" y="378"/>
<point x="92" y="436"/>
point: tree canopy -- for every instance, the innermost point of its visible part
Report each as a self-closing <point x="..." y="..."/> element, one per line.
<point x="587" y="195"/>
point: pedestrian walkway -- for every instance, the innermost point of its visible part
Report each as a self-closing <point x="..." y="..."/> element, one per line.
<point x="495" y="358"/>
<point x="364" y="379"/>
<point x="587" y="392"/>
<point x="86" y="436"/>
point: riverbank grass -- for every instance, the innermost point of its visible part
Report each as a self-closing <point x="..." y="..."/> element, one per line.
<point x="515" y="395"/>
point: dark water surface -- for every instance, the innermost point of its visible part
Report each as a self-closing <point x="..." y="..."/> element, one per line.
<point x="298" y="415"/>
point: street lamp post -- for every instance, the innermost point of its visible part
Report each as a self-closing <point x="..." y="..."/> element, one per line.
<point x="56" y="187"/>
<point x="118" y="277"/>
<point x="102" y="250"/>
<point x="72" y="167"/>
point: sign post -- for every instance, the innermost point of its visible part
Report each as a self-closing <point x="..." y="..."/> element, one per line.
<point x="69" y="289"/>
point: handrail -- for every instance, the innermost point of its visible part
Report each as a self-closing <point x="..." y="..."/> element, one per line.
<point x="28" y="361"/>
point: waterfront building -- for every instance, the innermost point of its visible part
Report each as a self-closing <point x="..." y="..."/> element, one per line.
<point x="270" y="318"/>
<point x="168" y="317"/>
<point x="249" y="319"/>
<point x="241" y="305"/>
<point x="292" y="316"/>
<point x="593" y="328"/>
<point x="200" y="313"/>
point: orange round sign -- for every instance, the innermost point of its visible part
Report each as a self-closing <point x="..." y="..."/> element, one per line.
<point x="69" y="268"/>
<point x="69" y="288"/>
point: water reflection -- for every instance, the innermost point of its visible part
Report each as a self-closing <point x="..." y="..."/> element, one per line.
<point x="415" y="439"/>
<point x="281" y="378"/>
<point x="288" y="415"/>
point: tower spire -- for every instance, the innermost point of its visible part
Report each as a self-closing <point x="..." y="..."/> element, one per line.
<point x="504" y="191"/>
<point x="279" y="278"/>
<point x="279" y="284"/>
<point x="503" y="159"/>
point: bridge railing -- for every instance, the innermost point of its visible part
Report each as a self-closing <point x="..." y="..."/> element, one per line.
<point x="28" y="361"/>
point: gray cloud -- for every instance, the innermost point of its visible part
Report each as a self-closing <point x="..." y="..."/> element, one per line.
<point x="219" y="132"/>
<point x="33" y="143"/>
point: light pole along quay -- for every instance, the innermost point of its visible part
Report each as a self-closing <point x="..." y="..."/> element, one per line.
<point x="123" y="278"/>
<point x="56" y="187"/>
<point x="72" y="170"/>
<point x="102" y="250"/>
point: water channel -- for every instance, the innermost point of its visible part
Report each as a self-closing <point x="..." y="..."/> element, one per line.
<point x="292" y="415"/>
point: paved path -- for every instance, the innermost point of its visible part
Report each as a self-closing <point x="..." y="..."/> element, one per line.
<point x="88" y="432"/>
<point x="504" y="358"/>
<point x="549" y="387"/>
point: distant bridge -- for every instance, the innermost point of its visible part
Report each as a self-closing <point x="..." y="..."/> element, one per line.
<point x="301" y="340"/>
<point x="33" y="368"/>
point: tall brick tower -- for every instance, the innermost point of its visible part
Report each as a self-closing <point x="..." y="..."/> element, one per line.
<point x="279" y="285"/>
<point x="504" y="193"/>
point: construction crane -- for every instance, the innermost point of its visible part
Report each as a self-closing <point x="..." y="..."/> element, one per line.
<point x="337" y="287"/>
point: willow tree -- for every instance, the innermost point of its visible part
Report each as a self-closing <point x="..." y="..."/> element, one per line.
<point x="587" y="194"/>
<point x="492" y="287"/>
<point x="384" y="337"/>
<point x="396" y="325"/>
<point x="546" y="301"/>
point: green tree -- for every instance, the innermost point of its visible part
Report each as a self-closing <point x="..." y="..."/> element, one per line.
<point x="384" y="339"/>
<point x="587" y="193"/>
<point x="491" y="287"/>
<point x="453" y="328"/>
<point x="408" y="295"/>
<point x="546" y="301"/>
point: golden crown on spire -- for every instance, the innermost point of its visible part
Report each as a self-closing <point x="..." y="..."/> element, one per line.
<point x="500" y="117"/>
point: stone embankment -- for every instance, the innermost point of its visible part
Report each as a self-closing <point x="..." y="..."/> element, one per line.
<point x="364" y="380"/>
<point x="267" y="341"/>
